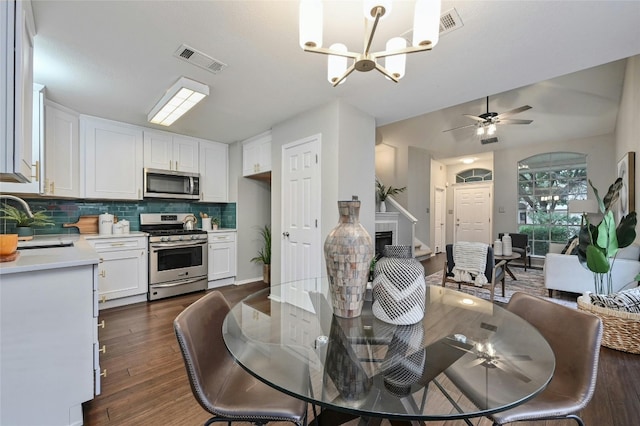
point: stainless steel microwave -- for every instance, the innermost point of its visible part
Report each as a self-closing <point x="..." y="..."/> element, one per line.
<point x="171" y="184"/>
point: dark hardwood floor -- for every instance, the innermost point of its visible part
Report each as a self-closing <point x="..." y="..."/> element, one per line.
<point x="146" y="382"/>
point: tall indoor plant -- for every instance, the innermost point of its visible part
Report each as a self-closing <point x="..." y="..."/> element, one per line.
<point x="599" y="244"/>
<point x="264" y="254"/>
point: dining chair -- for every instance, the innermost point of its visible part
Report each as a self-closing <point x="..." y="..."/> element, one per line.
<point x="520" y="244"/>
<point x="495" y="272"/>
<point x="576" y="346"/>
<point x="219" y="384"/>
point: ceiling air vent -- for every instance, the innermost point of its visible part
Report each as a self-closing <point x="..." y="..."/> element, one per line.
<point x="199" y="59"/>
<point x="450" y="21"/>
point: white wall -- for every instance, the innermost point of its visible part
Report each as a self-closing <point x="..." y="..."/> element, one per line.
<point x="347" y="166"/>
<point x="627" y="135"/>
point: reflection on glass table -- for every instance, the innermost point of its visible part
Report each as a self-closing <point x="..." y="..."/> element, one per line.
<point x="466" y="358"/>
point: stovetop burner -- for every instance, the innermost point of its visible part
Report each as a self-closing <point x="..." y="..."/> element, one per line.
<point x="161" y="232"/>
<point x="168" y="225"/>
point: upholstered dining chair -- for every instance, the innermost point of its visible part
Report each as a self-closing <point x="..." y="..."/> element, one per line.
<point x="520" y="244"/>
<point x="219" y="384"/>
<point x="494" y="272"/>
<point x="576" y="346"/>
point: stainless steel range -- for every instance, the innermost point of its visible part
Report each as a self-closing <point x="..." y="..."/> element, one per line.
<point x="177" y="256"/>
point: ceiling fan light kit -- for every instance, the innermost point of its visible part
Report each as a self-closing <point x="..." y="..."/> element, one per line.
<point x="426" y="31"/>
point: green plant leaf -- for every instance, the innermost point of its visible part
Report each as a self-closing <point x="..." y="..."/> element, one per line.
<point x="596" y="260"/>
<point x="607" y="239"/>
<point x="626" y="231"/>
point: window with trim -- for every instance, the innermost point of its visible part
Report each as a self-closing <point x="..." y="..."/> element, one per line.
<point x="546" y="184"/>
<point x="474" y="175"/>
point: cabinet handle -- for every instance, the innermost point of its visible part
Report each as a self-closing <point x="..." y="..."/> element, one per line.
<point x="103" y="274"/>
<point x="176" y="166"/>
<point x="101" y="260"/>
<point x="139" y="193"/>
<point x="37" y="166"/>
<point x="104" y="373"/>
<point x="170" y="164"/>
<point x="103" y="298"/>
<point x="117" y="244"/>
<point x="103" y="350"/>
<point x="52" y="186"/>
<point x="101" y="324"/>
<point x="46" y="185"/>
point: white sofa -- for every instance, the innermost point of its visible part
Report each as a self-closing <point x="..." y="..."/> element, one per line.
<point x="564" y="272"/>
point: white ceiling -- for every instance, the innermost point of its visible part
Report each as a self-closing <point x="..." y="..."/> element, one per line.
<point x="114" y="59"/>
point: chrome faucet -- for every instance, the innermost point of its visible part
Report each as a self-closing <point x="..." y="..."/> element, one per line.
<point x="21" y="201"/>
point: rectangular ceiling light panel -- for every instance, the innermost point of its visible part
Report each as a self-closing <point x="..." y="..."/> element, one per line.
<point x="179" y="99"/>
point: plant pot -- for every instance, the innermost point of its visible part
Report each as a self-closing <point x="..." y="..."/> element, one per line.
<point x="24" y="231"/>
<point x="266" y="273"/>
<point x="383" y="207"/>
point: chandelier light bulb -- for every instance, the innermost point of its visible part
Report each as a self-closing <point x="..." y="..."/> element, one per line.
<point x="491" y="130"/>
<point x="336" y="65"/>
<point x="395" y="64"/>
<point x="426" y="23"/>
<point x="310" y="23"/>
<point x="480" y="130"/>
<point x="369" y="8"/>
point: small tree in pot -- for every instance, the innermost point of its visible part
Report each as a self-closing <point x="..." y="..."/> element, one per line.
<point x="264" y="254"/>
<point x="599" y="244"/>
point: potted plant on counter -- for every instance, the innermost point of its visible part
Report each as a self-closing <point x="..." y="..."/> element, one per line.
<point x="215" y="223"/>
<point x="264" y="254"/>
<point x="24" y="223"/>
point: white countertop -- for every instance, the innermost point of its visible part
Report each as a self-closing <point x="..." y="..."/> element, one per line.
<point x="212" y="231"/>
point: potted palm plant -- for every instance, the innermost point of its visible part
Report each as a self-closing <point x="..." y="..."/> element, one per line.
<point x="383" y="192"/>
<point x="599" y="244"/>
<point x="264" y="254"/>
<point x="24" y="223"/>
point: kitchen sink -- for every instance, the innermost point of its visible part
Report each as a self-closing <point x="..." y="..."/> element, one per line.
<point x="45" y="244"/>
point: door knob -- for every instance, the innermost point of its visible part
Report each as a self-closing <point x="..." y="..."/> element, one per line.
<point x="286" y="234"/>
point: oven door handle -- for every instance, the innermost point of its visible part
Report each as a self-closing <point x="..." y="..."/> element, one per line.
<point x="175" y="284"/>
<point x="180" y="244"/>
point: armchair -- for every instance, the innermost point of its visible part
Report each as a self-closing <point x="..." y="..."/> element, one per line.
<point x="494" y="272"/>
<point x="520" y="244"/>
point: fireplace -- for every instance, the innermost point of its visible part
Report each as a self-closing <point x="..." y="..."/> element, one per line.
<point x="383" y="238"/>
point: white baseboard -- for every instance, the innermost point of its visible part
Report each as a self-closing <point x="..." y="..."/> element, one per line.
<point x="221" y="282"/>
<point x="122" y="301"/>
<point x="250" y="280"/>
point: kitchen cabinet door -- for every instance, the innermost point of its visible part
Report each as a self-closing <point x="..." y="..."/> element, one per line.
<point x="214" y="172"/>
<point x="62" y="163"/>
<point x="222" y="255"/>
<point x="16" y="90"/>
<point x="112" y="153"/>
<point x="256" y="155"/>
<point x="166" y="151"/>
<point x="185" y="154"/>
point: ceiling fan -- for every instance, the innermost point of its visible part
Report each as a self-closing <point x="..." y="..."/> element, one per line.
<point x="486" y="123"/>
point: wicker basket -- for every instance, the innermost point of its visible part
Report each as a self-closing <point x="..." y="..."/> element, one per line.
<point x="621" y="330"/>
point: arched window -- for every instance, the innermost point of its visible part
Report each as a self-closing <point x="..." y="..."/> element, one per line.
<point x="474" y="175"/>
<point x="546" y="183"/>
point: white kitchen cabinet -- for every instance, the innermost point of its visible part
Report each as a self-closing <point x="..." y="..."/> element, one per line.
<point x="214" y="172"/>
<point x="49" y="337"/>
<point x="222" y="258"/>
<point x="122" y="270"/>
<point x="62" y="151"/>
<point x="16" y="89"/>
<point x="256" y="155"/>
<point x="167" y="151"/>
<point x="111" y="159"/>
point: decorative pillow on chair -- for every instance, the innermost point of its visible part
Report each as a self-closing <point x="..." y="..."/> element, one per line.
<point x="625" y="300"/>
<point x="571" y="247"/>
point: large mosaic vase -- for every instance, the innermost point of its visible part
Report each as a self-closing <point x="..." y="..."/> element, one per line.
<point x="348" y="251"/>
<point x="398" y="287"/>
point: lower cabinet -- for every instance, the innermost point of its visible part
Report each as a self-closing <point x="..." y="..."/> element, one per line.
<point x="222" y="258"/>
<point x="49" y="346"/>
<point x="122" y="270"/>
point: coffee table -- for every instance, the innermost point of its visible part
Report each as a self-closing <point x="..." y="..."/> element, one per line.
<point x="508" y="259"/>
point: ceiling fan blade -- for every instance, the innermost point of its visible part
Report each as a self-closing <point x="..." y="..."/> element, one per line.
<point x="461" y="127"/>
<point x="514" y="121"/>
<point x="475" y="362"/>
<point x="514" y="111"/>
<point x="511" y="370"/>
<point x="473" y="117"/>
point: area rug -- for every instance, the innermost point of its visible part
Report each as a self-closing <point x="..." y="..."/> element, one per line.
<point x="530" y="281"/>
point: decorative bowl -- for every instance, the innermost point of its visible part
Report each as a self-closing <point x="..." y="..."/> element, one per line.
<point x="8" y="244"/>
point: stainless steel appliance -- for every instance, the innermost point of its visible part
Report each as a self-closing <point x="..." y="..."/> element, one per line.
<point x="171" y="184"/>
<point x="177" y="256"/>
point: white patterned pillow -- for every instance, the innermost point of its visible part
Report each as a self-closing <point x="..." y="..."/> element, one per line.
<point x="625" y="300"/>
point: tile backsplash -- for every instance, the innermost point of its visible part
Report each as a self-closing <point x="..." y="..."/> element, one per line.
<point x="68" y="211"/>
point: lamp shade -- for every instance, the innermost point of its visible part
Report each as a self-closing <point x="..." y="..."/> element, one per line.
<point x="336" y="65"/>
<point x="426" y="23"/>
<point x="395" y="64"/>
<point x="179" y="99"/>
<point x="310" y="23"/>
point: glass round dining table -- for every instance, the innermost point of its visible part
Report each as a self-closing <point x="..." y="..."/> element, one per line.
<point x="466" y="358"/>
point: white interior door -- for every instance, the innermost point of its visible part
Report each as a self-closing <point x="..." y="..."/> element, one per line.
<point x="472" y="212"/>
<point x="301" y="242"/>
<point x="439" y="207"/>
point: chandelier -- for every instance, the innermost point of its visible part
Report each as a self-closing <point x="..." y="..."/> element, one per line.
<point x="426" y="30"/>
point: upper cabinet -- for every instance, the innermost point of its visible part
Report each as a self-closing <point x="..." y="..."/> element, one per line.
<point x="214" y="166"/>
<point x="256" y="155"/>
<point x="166" y="151"/>
<point x="16" y="90"/>
<point x="62" y="151"/>
<point x="111" y="154"/>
